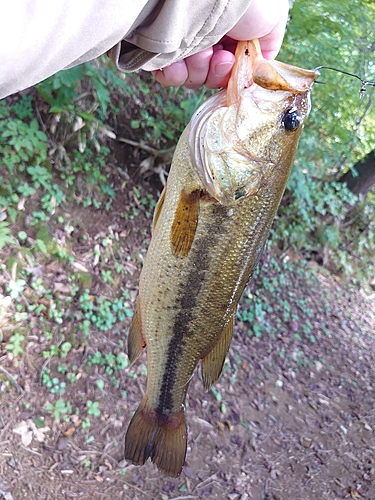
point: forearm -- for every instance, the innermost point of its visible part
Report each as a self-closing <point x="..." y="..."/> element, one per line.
<point x="40" y="37"/>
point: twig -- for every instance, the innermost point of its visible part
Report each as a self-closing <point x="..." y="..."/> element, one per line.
<point x="31" y="451"/>
<point x="12" y="380"/>
<point x="146" y="148"/>
<point x="205" y="481"/>
<point x="164" y="154"/>
<point x="184" y="498"/>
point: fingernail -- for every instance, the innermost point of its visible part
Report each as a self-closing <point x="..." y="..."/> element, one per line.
<point x="222" y="69"/>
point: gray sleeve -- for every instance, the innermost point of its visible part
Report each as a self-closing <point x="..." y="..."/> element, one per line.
<point x="174" y="30"/>
<point x="40" y="37"/>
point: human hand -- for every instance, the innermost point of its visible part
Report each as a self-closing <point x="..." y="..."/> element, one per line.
<point x="264" y="19"/>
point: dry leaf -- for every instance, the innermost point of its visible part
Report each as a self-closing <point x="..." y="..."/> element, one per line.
<point x="28" y="430"/>
<point x="39" y="434"/>
<point x="69" y="433"/>
<point x="23" y="430"/>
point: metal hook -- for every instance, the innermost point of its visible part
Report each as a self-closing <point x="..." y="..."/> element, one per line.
<point x="363" y="82"/>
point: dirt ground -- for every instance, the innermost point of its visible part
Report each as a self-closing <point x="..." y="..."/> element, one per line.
<point x="292" y="416"/>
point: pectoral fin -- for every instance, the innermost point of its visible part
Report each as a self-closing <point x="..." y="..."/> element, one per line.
<point x="158" y="208"/>
<point x="212" y="364"/>
<point x="136" y="342"/>
<point x="185" y="223"/>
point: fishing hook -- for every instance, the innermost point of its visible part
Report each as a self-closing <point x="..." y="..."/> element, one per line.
<point x="364" y="83"/>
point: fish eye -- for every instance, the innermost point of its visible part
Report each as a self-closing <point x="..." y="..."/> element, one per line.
<point x="291" y="119"/>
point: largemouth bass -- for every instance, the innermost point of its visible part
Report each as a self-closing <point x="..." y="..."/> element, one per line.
<point x="228" y="175"/>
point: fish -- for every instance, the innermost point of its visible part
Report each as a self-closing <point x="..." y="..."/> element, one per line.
<point x="227" y="177"/>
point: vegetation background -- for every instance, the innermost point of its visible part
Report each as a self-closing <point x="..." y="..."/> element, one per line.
<point x="83" y="158"/>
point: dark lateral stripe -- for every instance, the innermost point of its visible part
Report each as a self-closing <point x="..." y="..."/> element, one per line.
<point x="185" y="304"/>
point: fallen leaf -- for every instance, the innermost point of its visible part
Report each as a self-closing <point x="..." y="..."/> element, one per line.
<point x="355" y="493"/>
<point x="108" y="465"/>
<point x="23" y="430"/>
<point x="38" y="432"/>
<point x="70" y="431"/>
<point x="28" y="430"/>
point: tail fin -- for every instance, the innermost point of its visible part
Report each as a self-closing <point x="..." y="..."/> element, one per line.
<point x="160" y="437"/>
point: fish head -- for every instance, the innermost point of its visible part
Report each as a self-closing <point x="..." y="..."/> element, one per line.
<point x="246" y="136"/>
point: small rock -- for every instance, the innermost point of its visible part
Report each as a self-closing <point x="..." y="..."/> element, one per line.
<point x="305" y="441"/>
<point x="61" y="443"/>
<point x="319" y="366"/>
<point x="294" y="326"/>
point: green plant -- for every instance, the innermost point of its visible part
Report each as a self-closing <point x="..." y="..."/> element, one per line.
<point x="86" y="423"/>
<point x="5" y="235"/>
<point x="168" y="112"/>
<point x="65" y="349"/>
<point x="59" y="408"/>
<point x="16" y="344"/>
<point x="78" y="100"/>
<point x="93" y="408"/>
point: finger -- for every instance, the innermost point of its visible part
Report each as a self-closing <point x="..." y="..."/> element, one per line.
<point x="173" y="75"/>
<point x="271" y="43"/>
<point x="221" y="65"/>
<point x="198" y="66"/>
<point x="266" y="20"/>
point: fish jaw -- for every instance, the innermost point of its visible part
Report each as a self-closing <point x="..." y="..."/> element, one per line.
<point x="276" y="75"/>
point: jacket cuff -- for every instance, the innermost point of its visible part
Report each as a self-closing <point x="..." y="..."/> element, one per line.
<point x="180" y="28"/>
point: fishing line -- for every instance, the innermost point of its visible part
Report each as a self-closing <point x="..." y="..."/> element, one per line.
<point x="364" y="82"/>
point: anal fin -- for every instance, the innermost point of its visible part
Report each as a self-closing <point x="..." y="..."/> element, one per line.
<point x="136" y="342"/>
<point x="160" y="437"/>
<point x="212" y="364"/>
<point x="185" y="223"/>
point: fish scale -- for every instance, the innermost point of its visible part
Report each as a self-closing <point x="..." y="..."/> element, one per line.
<point x="228" y="175"/>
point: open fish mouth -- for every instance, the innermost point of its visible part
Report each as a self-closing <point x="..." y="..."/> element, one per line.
<point x="221" y="141"/>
